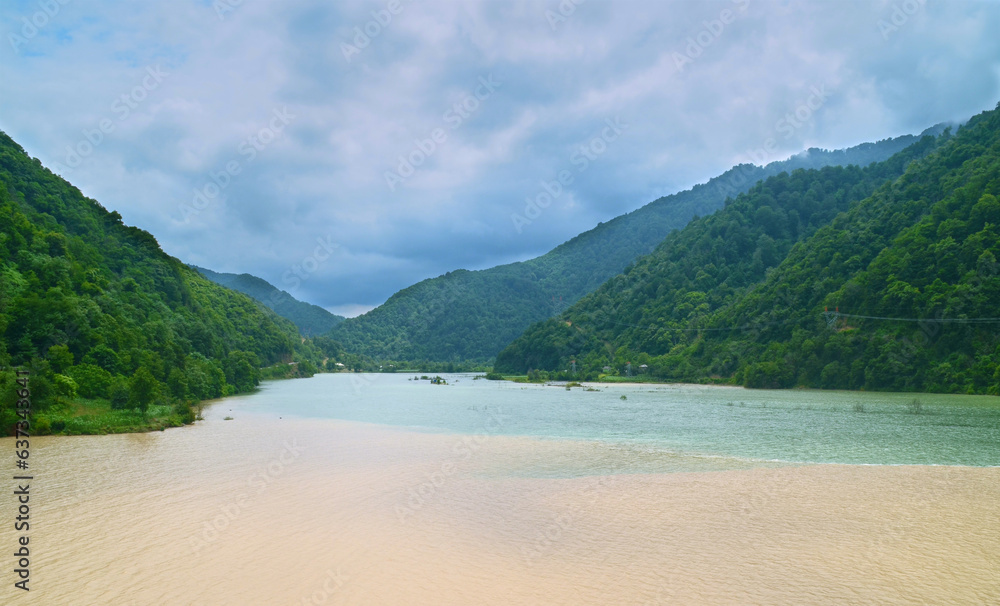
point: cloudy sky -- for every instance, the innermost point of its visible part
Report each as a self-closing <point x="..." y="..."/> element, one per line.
<point x="345" y="150"/>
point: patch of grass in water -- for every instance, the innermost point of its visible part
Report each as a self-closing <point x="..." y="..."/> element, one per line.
<point x="96" y="417"/>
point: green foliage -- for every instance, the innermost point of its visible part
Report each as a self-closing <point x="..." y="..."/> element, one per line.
<point x="41" y="378"/>
<point x="293" y="370"/>
<point x="537" y="376"/>
<point x="768" y="375"/>
<point x="8" y="400"/>
<point x="60" y="358"/>
<point x="740" y="295"/>
<point x="104" y="357"/>
<point x="64" y="386"/>
<point x="311" y="320"/>
<point x="91" y="417"/>
<point x="87" y="300"/>
<point x="142" y="389"/>
<point x="185" y="411"/>
<point x="242" y="370"/>
<point x="471" y="315"/>
<point x="119" y="395"/>
<point x="92" y="381"/>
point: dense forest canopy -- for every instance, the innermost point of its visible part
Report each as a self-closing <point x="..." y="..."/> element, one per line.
<point x="311" y="320"/>
<point x="471" y="315"/>
<point x="740" y="296"/>
<point x="95" y="309"/>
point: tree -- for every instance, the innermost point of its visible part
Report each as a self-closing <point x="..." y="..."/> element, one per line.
<point x="177" y="381"/>
<point x="60" y="358"/>
<point x="142" y="389"/>
<point x="119" y="395"/>
<point x="103" y="356"/>
<point x="92" y="381"/>
<point x="242" y="370"/>
<point x="64" y="386"/>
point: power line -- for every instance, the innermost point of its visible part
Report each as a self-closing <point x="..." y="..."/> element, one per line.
<point x="666" y="328"/>
<point x="941" y="320"/>
<point x="830" y="315"/>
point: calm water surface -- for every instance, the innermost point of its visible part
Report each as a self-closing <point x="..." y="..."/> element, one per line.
<point x="374" y="489"/>
<point x="741" y="427"/>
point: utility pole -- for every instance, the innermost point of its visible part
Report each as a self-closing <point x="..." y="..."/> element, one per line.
<point x="831" y="317"/>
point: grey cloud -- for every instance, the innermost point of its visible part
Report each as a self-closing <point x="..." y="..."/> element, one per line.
<point x="325" y="175"/>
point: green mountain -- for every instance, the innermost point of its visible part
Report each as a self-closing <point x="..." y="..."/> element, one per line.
<point x="311" y="320"/>
<point x="95" y="309"/>
<point x="472" y="315"/>
<point x="902" y="254"/>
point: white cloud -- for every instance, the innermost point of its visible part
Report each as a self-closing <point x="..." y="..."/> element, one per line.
<point x="323" y="177"/>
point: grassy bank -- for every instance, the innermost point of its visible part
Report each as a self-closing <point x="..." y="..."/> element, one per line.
<point x="58" y="409"/>
<point x="80" y="416"/>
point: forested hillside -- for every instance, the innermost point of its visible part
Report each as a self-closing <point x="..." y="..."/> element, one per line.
<point x="95" y="309"/>
<point x="311" y="320"/>
<point x="907" y="270"/>
<point x="472" y="315"/>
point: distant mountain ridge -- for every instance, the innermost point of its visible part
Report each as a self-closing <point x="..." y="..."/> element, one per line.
<point x="821" y="279"/>
<point x="472" y="315"/>
<point x="311" y="320"/>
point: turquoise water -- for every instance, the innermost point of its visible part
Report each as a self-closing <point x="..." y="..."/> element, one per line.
<point x="660" y="426"/>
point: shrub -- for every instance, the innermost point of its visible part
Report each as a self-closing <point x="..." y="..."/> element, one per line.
<point x="64" y="386"/>
<point x="92" y="381"/>
<point x="119" y="396"/>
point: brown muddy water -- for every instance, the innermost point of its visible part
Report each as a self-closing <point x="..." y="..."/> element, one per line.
<point x="304" y="509"/>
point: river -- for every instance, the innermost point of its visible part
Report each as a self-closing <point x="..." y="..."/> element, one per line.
<point x="381" y="489"/>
